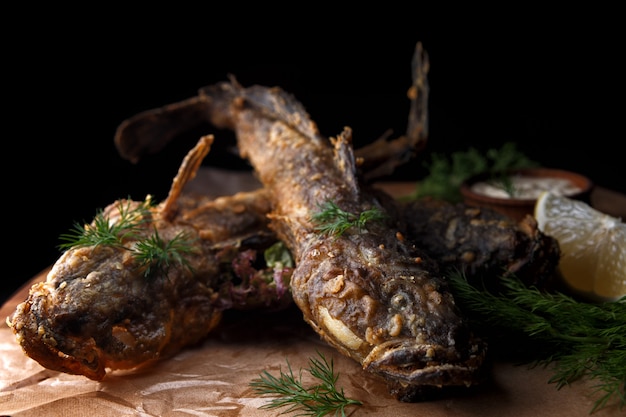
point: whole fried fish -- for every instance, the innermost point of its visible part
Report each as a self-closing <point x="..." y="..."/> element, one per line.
<point x="367" y="291"/>
<point x="158" y="281"/>
<point x="481" y="243"/>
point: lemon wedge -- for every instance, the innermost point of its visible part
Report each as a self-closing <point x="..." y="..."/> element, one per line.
<point x="593" y="245"/>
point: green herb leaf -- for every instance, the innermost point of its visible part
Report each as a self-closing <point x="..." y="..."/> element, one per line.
<point x="102" y="231"/>
<point x="318" y="400"/>
<point x="158" y="255"/>
<point x="130" y="222"/>
<point x="445" y="175"/>
<point x="582" y="340"/>
<point x="332" y="220"/>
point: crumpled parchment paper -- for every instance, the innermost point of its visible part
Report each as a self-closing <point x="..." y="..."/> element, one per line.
<point x="213" y="379"/>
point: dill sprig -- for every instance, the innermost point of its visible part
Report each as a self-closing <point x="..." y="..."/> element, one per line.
<point x="332" y="220"/>
<point x="446" y="173"/>
<point x="152" y="252"/>
<point x="102" y="231"/>
<point x="158" y="255"/>
<point x="318" y="400"/>
<point x="582" y="340"/>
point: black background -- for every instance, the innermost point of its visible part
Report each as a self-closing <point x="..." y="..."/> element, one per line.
<point x="550" y="82"/>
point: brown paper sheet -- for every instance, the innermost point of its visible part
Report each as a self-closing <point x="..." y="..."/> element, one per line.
<point x="213" y="379"/>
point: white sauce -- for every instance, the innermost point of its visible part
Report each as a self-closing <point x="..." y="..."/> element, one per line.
<point x="527" y="187"/>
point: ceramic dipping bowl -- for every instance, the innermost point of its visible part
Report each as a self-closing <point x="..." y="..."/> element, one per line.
<point x="527" y="185"/>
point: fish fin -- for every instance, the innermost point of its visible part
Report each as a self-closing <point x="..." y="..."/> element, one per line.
<point x="417" y="127"/>
<point x="186" y="173"/>
<point x="345" y="160"/>
<point x="149" y="131"/>
<point x="383" y="156"/>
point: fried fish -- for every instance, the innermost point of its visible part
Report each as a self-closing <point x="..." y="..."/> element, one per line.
<point x="157" y="280"/>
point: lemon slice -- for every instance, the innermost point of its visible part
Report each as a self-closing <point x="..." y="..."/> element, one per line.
<point x="593" y="245"/>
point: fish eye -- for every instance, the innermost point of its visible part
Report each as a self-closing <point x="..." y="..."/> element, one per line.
<point x="400" y="300"/>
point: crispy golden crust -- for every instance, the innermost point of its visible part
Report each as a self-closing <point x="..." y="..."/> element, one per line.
<point x="481" y="242"/>
<point x="98" y="310"/>
<point x="369" y="293"/>
<point x="97" y="316"/>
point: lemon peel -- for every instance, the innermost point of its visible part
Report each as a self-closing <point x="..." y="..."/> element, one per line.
<point x="593" y="245"/>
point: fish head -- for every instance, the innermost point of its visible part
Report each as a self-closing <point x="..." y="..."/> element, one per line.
<point x="391" y="310"/>
<point x="429" y="345"/>
<point x="67" y="323"/>
<point x="52" y="349"/>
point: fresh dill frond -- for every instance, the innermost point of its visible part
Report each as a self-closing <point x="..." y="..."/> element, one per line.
<point x="505" y="183"/>
<point x="317" y="400"/>
<point x="447" y="173"/>
<point x="103" y="231"/>
<point x="506" y="158"/>
<point x="158" y="255"/>
<point x="582" y="340"/>
<point x="332" y="220"/>
<point x="99" y="232"/>
<point x="152" y="252"/>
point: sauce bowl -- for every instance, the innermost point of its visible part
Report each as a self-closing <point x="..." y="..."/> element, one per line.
<point x="480" y="190"/>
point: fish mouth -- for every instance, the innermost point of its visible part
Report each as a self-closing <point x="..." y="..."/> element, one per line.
<point x="50" y="350"/>
<point x="415" y="369"/>
<point x="87" y="363"/>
